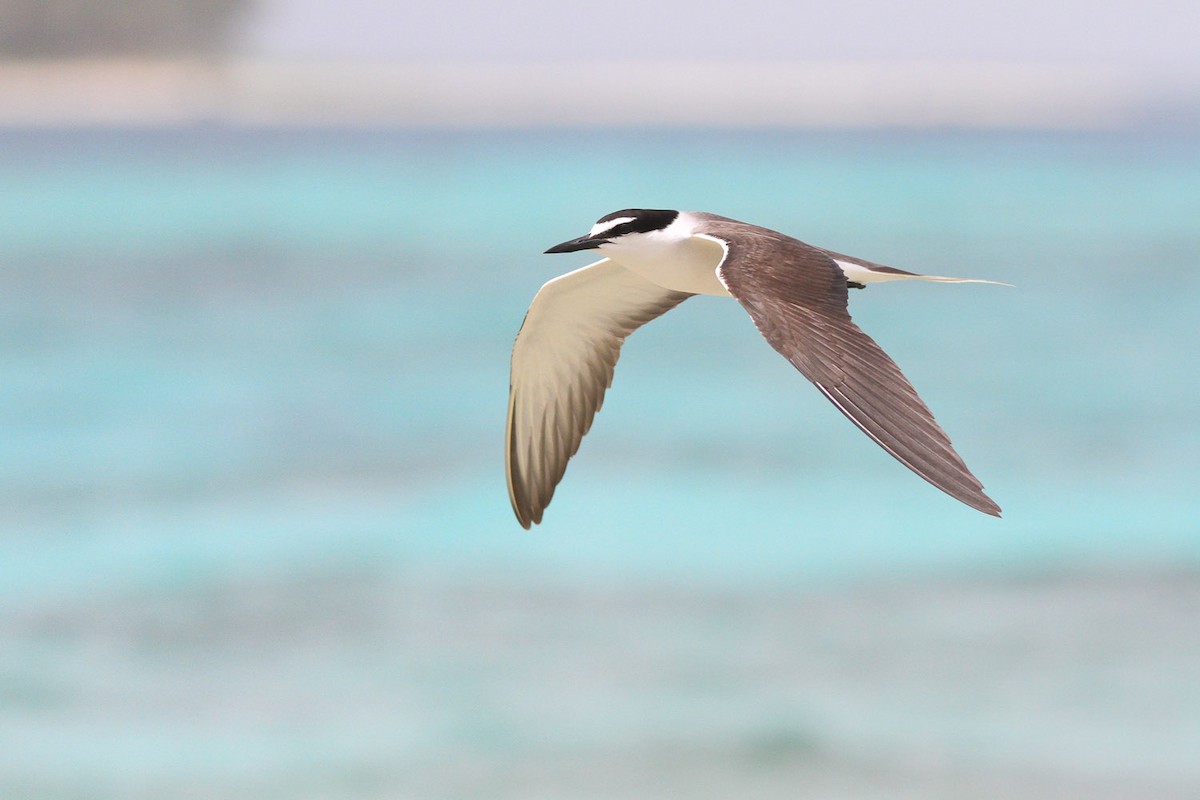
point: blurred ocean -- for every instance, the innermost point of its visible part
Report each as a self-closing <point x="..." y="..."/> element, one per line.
<point x="255" y="540"/>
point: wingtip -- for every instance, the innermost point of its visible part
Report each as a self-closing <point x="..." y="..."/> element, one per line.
<point x="525" y="519"/>
<point x="986" y="505"/>
<point x="527" y="516"/>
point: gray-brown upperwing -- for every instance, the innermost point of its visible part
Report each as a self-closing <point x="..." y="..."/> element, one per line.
<point x="796" y="295"/>
<point x="562" y="362"/>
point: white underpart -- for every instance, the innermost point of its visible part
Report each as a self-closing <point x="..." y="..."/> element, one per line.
<point x="673" y="258"/>
<point x="860" y="274"/>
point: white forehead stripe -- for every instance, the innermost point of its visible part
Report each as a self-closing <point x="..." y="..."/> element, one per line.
<point x="601" y="227"/>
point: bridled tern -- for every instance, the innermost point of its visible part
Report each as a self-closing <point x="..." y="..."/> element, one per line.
<point x="653" y="259"/>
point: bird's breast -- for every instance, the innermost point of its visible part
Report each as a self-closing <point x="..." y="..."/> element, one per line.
<point x="687" y="266"/>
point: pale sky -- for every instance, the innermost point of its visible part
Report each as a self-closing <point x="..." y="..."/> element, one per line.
<point x="1159" y="36"/>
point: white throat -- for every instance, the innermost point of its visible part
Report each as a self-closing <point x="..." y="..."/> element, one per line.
<point x="673" y="258"/>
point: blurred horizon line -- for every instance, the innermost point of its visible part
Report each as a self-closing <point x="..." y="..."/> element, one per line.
<point x="734" y="95"/>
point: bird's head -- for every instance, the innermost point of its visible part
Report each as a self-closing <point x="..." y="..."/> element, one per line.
<point x="630" y="226"/>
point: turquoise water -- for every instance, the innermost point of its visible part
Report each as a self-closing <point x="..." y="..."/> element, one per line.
<point x="252" y="393"/>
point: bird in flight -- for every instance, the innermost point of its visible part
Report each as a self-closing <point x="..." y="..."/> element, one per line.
<point x="653" y="260"/>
